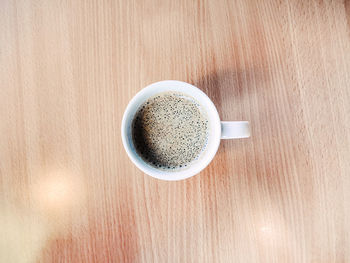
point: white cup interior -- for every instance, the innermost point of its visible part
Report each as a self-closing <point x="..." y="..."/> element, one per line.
<point x="213" y="137"/>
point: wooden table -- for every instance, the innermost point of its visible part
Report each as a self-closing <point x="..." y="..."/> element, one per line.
<point x="69" y="193"/>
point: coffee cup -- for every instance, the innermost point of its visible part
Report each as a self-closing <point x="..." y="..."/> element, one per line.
<point x="217" y="129"/>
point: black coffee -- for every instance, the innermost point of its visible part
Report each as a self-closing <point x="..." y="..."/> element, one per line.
<point x="169" y="130"/>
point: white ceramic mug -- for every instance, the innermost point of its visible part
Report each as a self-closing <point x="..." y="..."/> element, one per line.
<point x="217" y="129"/>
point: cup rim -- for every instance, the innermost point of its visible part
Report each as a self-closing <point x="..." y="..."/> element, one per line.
<point x="202" y="98"/>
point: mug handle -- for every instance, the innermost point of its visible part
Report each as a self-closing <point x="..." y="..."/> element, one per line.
<point x="235" y="129"/>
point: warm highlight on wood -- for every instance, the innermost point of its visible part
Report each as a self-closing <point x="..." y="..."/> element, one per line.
<point x="69" y="193"/>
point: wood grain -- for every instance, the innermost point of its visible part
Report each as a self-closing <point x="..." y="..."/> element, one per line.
<point x="69" y="193"/>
